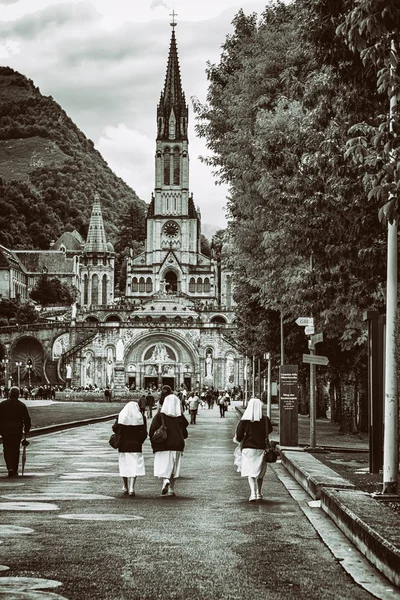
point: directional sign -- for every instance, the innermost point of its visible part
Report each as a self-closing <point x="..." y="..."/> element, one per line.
<point x="315" y="360"/>
<point x="309" y="330"/>
<point x="317" y="338"/>
<point x="305" y="321"/>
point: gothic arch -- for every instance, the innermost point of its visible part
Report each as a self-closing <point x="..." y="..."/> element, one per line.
<point x="172" y="280"/>
<point x="114" y="318"/>
<point x="219" y="319"/>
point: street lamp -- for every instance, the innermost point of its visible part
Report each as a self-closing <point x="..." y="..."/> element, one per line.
<point x="19" y="365"/>
<point x="4" y="364"/>
<point x="29" y="367"/>
<point x="267" y="356"/>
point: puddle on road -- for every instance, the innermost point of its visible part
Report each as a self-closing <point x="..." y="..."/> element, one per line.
<point x="43" y="497"/>
<point x="101" y="517"/>
<point x="14" y="529"/>
<point x="27" y="506"/>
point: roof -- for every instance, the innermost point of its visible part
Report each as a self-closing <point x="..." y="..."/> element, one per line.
<point x="54" y="262"/>
<point x="96" y="238"/>
<point x="9" y="259"/>
<point x="71" y="240"/>
<point x="172" y="98"/>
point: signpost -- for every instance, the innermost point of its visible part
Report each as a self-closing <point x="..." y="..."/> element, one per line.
<point x="288" y="405"/>
<point x="305" y="321"/>
<point x="314" y="359"/>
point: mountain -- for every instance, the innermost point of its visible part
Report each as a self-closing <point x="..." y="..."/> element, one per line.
<point x="50" y="171"/>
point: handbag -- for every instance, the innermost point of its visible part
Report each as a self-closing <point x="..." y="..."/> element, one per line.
<point x="271" y="451"/>
<point x="115" y="440"/>
<point x="160" y="435"/>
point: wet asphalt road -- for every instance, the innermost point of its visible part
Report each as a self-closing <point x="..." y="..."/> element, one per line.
<point x="67" y="523"/>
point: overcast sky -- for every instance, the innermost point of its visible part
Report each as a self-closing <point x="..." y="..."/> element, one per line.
<point x="104" y="62"/>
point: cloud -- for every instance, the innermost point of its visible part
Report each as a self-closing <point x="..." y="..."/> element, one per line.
<point x="108" y="74"/>
<point x="157" y="3"/>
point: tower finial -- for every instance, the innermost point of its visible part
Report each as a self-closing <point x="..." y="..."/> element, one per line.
<point x="173" y="22"/>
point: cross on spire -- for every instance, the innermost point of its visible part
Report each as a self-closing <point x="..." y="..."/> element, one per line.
<point x="173" y="22"/>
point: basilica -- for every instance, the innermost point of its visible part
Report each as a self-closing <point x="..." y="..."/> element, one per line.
<point x="174" y="324"/>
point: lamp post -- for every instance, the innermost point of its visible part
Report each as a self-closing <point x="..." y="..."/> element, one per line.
<point x="4" y="365"/>
<point x="267" y="357"/>
<point x="29" y="367"/>
<point x="19" y="365"/>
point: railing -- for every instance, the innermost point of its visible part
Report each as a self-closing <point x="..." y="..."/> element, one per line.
<point x="77" y="347"/>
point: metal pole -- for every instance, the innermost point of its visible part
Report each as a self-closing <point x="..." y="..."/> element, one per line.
<point x="253" y="376"/>
<point x="282" y="343"/>
<point x="391" y="432"/>
<point x="259" y="378"/>
<point x="313" y="436"/>
<point x="269" y="389"/>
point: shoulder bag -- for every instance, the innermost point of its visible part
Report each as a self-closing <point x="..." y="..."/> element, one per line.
<point x="160" y="435"/>
<point x="271" y="451"/>
<point x="115" y="440"/>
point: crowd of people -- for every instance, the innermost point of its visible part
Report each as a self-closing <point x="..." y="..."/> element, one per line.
<point x="168" y="432"/>
<point x="40" y="392"/>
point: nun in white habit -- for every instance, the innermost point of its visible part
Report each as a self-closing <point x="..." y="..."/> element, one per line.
<point x="132" y="426"/>
<point x="251" y="432"/>
<point x="168" y="454"/>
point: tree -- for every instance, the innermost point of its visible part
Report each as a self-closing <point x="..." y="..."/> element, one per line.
<point x="52" y="291"/>
<point x="372" y="28"/>
<point x="304" y="239"/>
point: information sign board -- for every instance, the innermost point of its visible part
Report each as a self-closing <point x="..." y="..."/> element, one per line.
<point x="288" y="405"/>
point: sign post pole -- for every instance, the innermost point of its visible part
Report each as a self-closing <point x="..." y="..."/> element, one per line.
<point x="313" y="433"/>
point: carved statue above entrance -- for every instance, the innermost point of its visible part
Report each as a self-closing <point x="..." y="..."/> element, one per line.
<point x="160" y="353"/>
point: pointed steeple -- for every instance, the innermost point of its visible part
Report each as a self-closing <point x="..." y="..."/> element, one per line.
<point x="172" y="110"/>
<point x="96" y="238"/>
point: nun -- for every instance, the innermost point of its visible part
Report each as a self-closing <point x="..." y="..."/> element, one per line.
<point x="132" y="427"/>
<point x="168" y="453"/>
<point x="251" y="432"/>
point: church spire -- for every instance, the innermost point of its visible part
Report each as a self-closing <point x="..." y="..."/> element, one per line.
<point x="96" y="237"/>
<point x="172" y="110"/>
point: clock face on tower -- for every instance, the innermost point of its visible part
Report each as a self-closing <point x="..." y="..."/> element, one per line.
<point x="171" y="229"/>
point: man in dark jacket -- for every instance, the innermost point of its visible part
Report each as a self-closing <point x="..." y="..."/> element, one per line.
<point x="15" y="422"/>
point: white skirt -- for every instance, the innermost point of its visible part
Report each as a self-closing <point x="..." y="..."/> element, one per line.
<point x="167" y="463"/>
<point x="131" y="464"/>
<point x="253" y="463"/>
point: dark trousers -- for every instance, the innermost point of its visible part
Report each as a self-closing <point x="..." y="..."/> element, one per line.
<point x="193" y="414"/>
<point x="222" y="410"/>
<point x="11" y="445"/>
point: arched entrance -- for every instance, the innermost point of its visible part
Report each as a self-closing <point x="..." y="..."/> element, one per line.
<point x="26" y="364"/>
<point x="163" y="360"/>
<point x="171" y="280"/>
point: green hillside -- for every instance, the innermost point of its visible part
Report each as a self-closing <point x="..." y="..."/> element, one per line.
<point x="50" y="171"/>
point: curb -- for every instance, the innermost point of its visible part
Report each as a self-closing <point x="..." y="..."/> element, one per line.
<point x="358" y="516"/>
<point x="311" y="474"/>
<point x="59" y="427"/>
<point x="69" y="425"/>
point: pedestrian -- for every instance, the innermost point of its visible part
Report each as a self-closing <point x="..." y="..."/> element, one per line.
<point x="107" y="394"/>
<point x="222" y="405"/>
<point x="149" y="404"/>
<point x="193" y="407"/>
<point x="251" y="432"/>
<point x="15" y="423"/>
<point x="132" y="426"/>
<point x="142" y="403"/>
<point x="168" y="454"/>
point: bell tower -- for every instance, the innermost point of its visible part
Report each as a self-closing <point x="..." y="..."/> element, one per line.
<point x="172" y="262"/>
